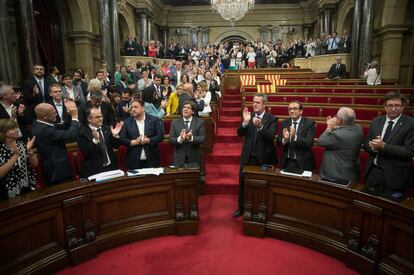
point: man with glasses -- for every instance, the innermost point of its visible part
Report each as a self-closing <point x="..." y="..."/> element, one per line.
<point x="296" y="139"/>
<point x="390" y="144"/>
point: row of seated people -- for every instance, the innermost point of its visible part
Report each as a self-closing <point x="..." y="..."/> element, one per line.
<point x="386" y="161"/>
<point x="140" y="134"/>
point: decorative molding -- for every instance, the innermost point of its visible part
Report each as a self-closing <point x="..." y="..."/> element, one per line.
<point x="193" y="211"/>
<point x="247" y="211"/>
<point x="71" y="239"/>
<point x="261" y="213"/>
<point x="371" y="249"/>
<point x="179" y="212"/>
<point x="354" y="241"/>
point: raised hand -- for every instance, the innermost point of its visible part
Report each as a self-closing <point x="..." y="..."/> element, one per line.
<point x="71" y="108"/>
<point x="257" y="122"/>
<point x="21" y="109"/>
<point x="246" y="115"/>
<point x="189" y="135"/>
<point x="116" y="129"/>
<point x="292" y="132"/>
<point x="35" y="90"/>
<point x="286" y="133"/>
<point x="30" y="143"/>
<point x="183" y="134"/>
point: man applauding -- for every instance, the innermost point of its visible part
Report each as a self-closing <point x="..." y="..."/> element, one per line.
<point x="96" y="143"/>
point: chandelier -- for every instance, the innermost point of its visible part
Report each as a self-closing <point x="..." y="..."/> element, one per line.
<point x="232" y="10"/>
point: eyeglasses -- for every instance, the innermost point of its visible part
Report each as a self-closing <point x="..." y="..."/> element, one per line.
<point x="396" y="107"/>
<point x="293" y="109"/>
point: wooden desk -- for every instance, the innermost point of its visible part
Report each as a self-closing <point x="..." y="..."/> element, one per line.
<point x="370" y="234"/>
<point x="46" y="230"/>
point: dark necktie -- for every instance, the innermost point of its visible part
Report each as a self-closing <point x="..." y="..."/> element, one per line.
<point x="291" y="154"/>
<point x="187" y="124"/>
<point x="102" y="146"/>
<point x="254" y="140"/>
<point x="388" y="131"/>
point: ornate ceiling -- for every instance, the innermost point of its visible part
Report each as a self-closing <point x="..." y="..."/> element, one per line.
<point x="207" y="2"/>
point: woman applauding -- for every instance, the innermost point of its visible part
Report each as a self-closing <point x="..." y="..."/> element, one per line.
<point x="16" y="161"/>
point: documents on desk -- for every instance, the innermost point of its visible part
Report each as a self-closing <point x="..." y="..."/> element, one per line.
<point x="107" y="175"/>
<point x="305" y="174"/>
<point x="146" y="171"/>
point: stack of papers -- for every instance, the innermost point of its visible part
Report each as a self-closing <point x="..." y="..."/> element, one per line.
<point x="305" y="174"/>
<point x="146" y="171"/>
<point x="107" y="175"/>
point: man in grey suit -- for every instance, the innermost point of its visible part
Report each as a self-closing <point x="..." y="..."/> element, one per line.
<point x="390" y="145"/>
<point x="342" y="142"/>
<point x="187" y="133"/>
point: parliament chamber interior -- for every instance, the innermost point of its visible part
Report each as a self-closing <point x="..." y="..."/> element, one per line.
<point x="207" y="137"/>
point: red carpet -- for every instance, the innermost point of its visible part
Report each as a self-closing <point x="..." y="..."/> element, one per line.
<point x="220" y="248"/>
<point x="222" y="165"/>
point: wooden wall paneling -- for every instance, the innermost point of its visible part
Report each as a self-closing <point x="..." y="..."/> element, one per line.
<point x="255" y="207"/>
<point x="186" y="207"/>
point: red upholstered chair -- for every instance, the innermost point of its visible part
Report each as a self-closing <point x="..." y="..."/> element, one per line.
<point x="318" y="154"/>
<point x="167" y="125"/>
<point x="166" y="153"/>
<point x="318" y="99"/>
<point x="366" y="114"/>
<point x="122" y="158"/>
<point x="368" y="101"/>
<point x="311" y="111"/>
<point x="329" y="111"/>
<point x="341" y="100"/>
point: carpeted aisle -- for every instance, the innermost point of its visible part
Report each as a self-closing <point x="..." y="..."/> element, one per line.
<point x="220" y="248"/>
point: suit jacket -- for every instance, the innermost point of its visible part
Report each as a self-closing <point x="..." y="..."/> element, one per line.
<point x="106" y="110"/>
<point x="133" y="45"/>
<point x="397" y="154"/>
<point x="341" y="157"/>
<point x="149" y="94"/>
<point x="24" y="121"/>
<point x="334" y="72"/>
<point x="66" y="120"/>
<point x="189" y="150"/>
<point x="30" y="99"/>
<point x="214" y="89"/>
<point x="78" y="94"/>
<point x="265" y="148"/>
<point x="303" y="144"/>
<point x="50" y="143"/>
<point x="153" y="129"/>
<point x="93" y="160"/>
<point x="83" y="86"/>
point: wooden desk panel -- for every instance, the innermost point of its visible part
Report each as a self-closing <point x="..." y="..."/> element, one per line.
<point x="46" y="230"/>
<point x="370" y="234"/>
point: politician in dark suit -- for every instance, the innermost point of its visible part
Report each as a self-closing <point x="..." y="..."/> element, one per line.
<point x="130" y="46"/>
<point x="187" y="133"/>
<point x="390" y="144"/>
<point x="51" y="142"/>
<point x="63" y="118"/>
<point x="96" y="143"/>
<point x="142" y="133"/>
<point x="342" y="141"/>
<point x="258" y="129"/>
<point x="11" y="109"/>
<point x="96" y="102"/>
<point x="296" y="139"/>
<point x="337" y="70"/>
<point x="35" y="89"/>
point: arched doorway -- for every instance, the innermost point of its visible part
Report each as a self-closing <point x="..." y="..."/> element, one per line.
<point x="234" y="34"/>
<point x="234" y="38"/>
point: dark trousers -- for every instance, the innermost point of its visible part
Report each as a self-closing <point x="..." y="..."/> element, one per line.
<point x="252" y="161"/>
<point x="375" y="180"/>
<point x="291" y="164"/>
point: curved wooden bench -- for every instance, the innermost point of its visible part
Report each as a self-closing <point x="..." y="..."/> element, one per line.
<point x="49" y="229"/>
<point x="370" y="234"/>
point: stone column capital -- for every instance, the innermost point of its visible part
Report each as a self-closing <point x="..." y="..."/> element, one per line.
<point x="143" y="13"/>
<point x="204" y="29"/>
<point x="307" y="26"/>
<point x="263" y="29"/>
<point x="329" y="7"/>
<point x="193" y="29"/>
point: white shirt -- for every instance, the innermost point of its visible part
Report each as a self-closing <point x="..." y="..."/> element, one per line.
<point x="141" y="129"/>
<point x="59" y="108"/>
<point x="373" y="78"/>
<point x="284" y="141"/>
<point x="384" y="128"/>
<point x="8" y="109"/>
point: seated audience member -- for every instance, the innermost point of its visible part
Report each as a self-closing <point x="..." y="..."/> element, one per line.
<point x="212" y="86"/>
<point x="148" y="98"/>
<point x="115" y="99"/>
<point x="142" y="133"/>
<point x="63" y="118"/>
<point x="342" y="142"/>
<point x="205" y="96"/>
<point x="97" y="102"/>
<point x="122" y="84"/>
<point x="173" y="100"/>
<point x="69" y="91"/>
<point x="35" y="89"/>
<point x="96" y="143"/>
<point x="16" y="161"/>
<point x="78" y="82"/>
<point x="51" y="141"/>
<point x="337" y="70"/>
<point x="333" y="43"/>
<point x="10" y="108"/>
<point x="296" y="139"/>
<point x="166" y="88"/>
<point x="130" y="46"/>
<point x="124" y="104"/>
<point x="144" y="82"/>
<point x="187" y="133"/>
<point x="390" y="145"/>
<point x="372" y="73"/>
<point x="188" y="94"/>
